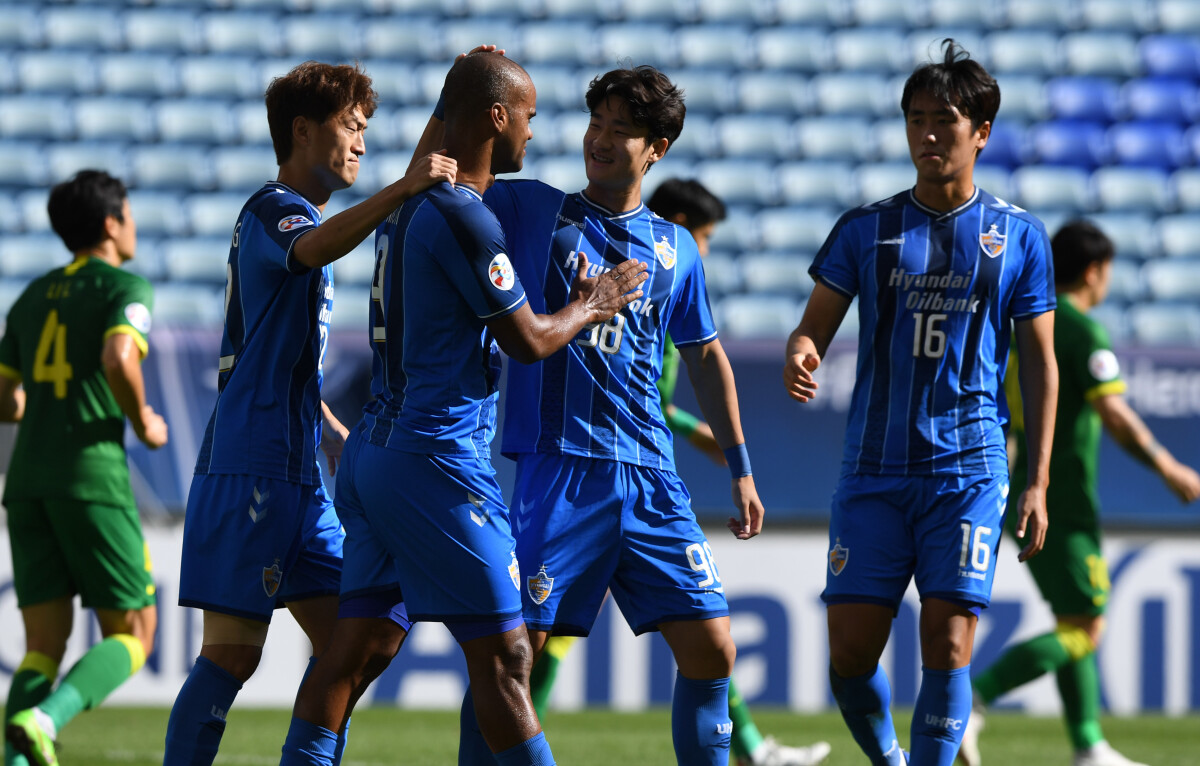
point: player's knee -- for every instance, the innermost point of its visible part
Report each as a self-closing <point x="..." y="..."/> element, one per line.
<point x="1079" y="640"/>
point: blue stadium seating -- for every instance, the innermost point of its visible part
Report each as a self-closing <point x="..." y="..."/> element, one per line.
<point x="124" y="119"/>
<point x="22" y="164"/>
<point x="757" y="316"/>
<point x="835" y="138"/>
<point x="558" y="42"/>
<point x="817" y="183"/>
<point x="1179" y="16"/>
<point x="804" y="49"/>
<point x="1185" y="188"/>
<point x="1095" y="99"/>
<point x="242" y="33"/>
<point x="643" y="43"/>
<point x="1173" y="280"/>
<point x="1114" y="318"/>
<point x="1133" y="233"/>
<point x="356" y="269"/>
<point x="1121" y="15"/>
<point x="1040" y="188"/>
<point x="870" y="50"/>
<point x="1112" y="54"/>
<point x="1069" y="142"/>
<point x="949" y="14"/>
<point x="1126" y="285"/>
<point x="1179" y="235"/>
<point x="821" y="13"/>
<point x="706" y="90"/>
<point x="1038" y="14"/>
<point x="1023" y="52"/>
<point x="1131" y="188"/>
<point x="722" y="274"/>
<point x="754" y="135"/>
<point x="740" y="181"/>
<point x="1170" y="56"/>
<point x="82" y="27"/>
<point x="30" y="210"/>
<point x="802" y="229"/>
<point x="1164" y="99"/>
<point x="784" y="273"/>
<point x="30" y="255"/>
<point x="230" y="77"/>
<point x="195" y="120"/>
<point x="1007" y="145"/>
<point x="327" y="36"/>
<point x="20" y="26"/>
<point x="995" y="180"/>
<point x="1162" y="324"/>
<point x="841" y="93"/>
<point x="197" y="259"/>
<point x="773" y="91"/>
<point x="885" y="13"/>
<point x="138" y="74"/>
<point x="176" y="31"/>
<point x="1022" y="98"/>
<point x="1148" y="144"/>
<point x="158" y="213"/>
<point x="55" y="72"/>
<point x="67" y="159"/>
<point x="215" y="214"/>
<point x="167" y="166"/>
<point x="877" y="181"/>
<point x="243" y="168"/>
<point x="188" y="305"/>
<point x="721" y="46"/>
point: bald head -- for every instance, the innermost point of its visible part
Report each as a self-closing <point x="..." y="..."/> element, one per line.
<point x="480" y="80"/>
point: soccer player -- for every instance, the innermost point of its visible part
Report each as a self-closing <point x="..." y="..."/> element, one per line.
<point x="1070" y="571"/>
<point x="428" y="534"/>
<point x="689" y="204"/>
<point x="941" y="272"/>
<point x="260" y="531"/>
<point x="70" y="374"/>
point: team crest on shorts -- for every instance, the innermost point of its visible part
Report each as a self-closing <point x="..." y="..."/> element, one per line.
<point x="514" y="571"/>
<point x="992" y="242"/>
<point x="665" y="253"/>
<point x="272" y="575"/>
<point x="838" y="557"/>
<point x="539" y="586"/>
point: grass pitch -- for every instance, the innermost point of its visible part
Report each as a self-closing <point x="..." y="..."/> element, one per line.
<point x="385" y="736"/>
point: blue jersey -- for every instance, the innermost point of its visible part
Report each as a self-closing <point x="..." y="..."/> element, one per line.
<point x="597" y="397"/>
<point x="441" y="273"/>
<point x="267" y="420"/>
<point x="937" y="294"/>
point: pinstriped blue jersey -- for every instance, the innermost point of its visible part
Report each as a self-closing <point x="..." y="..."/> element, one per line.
<point x="597" y="397"/>
<point x="937" y="295"/>
<point x="441" y="273"/>
<point x="267" y="420"/>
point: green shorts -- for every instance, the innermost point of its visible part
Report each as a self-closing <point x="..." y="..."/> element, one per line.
<point x="62" y="547"/>
<point x="1071" y="572"/>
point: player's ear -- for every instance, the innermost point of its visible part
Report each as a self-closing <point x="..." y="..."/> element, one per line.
<point x="499" y="115"/>
<point x="658" y="149"/>
<point x="301" y="131"/>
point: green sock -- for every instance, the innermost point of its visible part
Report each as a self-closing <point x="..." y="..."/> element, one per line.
<point x="1021" y="664"/>
<point x="746" y="736"/>
<point x="106" y="666"/>
<point x="1079" y="687"/>
<point x="541" y="681"/>
<point x="30" y="685"/>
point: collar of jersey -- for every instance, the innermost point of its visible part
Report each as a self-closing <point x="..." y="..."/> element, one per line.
<point x="281" y="186"/>
<point x="940" y="214"/>
<point x="468" y="190"/>
<point x="610" y="215"/>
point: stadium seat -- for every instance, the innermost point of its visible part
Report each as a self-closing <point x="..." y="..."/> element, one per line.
<point x="171" y="30"/>
<point x="461" y="35"/>
<point x="785" y="273"/>
<point x="766" y="317"/>
<point x="324" y="36"/>
<point x="772" y="91"/>
<point x="242" y="33"/>
<point x="352" y="309"/>
<point x="870" y="50"/>
<point x="1163" y="324"/>
<point x="148" y="262"/>
<point x="591" y="10"/>
<point x="30" y="211"/>
<point x="697" y="140"/>
<point x="197" y="259"/>
<point x="194" y="120"/>
<point x="1114" y="318"/>
<point x="1022" y="97"/>
<point x="1120" y="15"/>
<point x="404" y="38"/>
<point x="1185" y="187"/>
<point x="754" y="135"/>
<point x="82" y="28"/>
<point x="1179" y="235"/>
<point x="19" y="166"/>
<point x="355" y="269"/>
<point x="66" y="159"/>
<point x="706" y="90"/>
<point x="803" y="49"/>
<point x="924" y="45"/>
<point x="20" y="26"/>
<point x="9" y="224"/>
<point x="243" y="168"/>
<point x="877" y="181"/>
<point x="250" y="117"/>
<point x="714" y="11"/>
<point x="214" y="215"/>
<point x="103" y="117"/>
<point x="31" y="255"/>
<point x="1148" y="144"/>
<point x="712" y="45"/>
<point x="996" y="180"/>
<point x="56" y="72"/>
<point x="1006" y="146"/>
<point x="507" y="8"/>
<point x="157" y="213"/>
<point x="1095" y="99"/>
<point x="850" y="93"/>
<point x="738" y="232"/>
<point x="894" y="14"/>
<point x="1023" y="51"/>
<point x="1133" y="233"/>
<point x="564" y="172"/>
<point x="559" y="88"/>
<point x="793" y="229"/>
<point x="945" y="14"/>
<point x="563" y="133"/>
<point x="818" y="13"/>
<point x="722" y="274"/>
<point x="36" y="117"/>
<point x="1162" y="99"/>
<point x="1126" y="284"/>
<point x="138" y="74"/>
<point x="1132" y="188"/>
<point x="1024" y="14"/>
<point x="1170" y="56"/>
<point x="1173" y="279"/>
<point x="1069" y="142"/>
<point x="1182" y="16"/>
<point x="890" y="138"/>
<point x="168" y="166"/>
<point x="1110" y="54"/>
<point x="740" y="181"/>
<point x="819" y="183"/>
<point x="558" y="42"/>
<point x="1039" y="188"/>
<point x="188" y="305"/>
<point x="643" y="43"/>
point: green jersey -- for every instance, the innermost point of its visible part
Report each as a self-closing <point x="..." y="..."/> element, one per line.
<point x="70" y="443"/>
<point x="1087" y="369"/>
<point x="680" y="422"/>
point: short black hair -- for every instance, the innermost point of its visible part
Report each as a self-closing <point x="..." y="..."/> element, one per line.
<point x="79" y="206"/>
<point x="654" y="102"/>
<point x="698" y="205"/>
<point x="316" y="91"/>
<point x="481" y="79"/>
<point x="957" y="80"/>
<point x="1077" y="245"/>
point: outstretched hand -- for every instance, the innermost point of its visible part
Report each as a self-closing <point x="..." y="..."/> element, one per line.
<point x="607" y="293"/>
<point x="1031" y="519"/>
<point x="798" y="377"/>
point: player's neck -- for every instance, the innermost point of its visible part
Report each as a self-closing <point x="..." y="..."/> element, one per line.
<point x="944" y="196"/>
<point x="306" y="183"/>
<point x="617" y="200"/>
<point x="105" y="252"/>
<point x="474" y="158"/>
<point x="1081" y="298"/>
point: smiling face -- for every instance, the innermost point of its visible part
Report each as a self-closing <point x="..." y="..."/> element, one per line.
<point x="616" y="152"/>
<point x="942" y="142"/>
<point x="335" y="146"/>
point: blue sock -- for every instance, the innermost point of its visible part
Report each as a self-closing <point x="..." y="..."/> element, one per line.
<point x="308" y="745"/>
<point x="198" y="716"/>
<point x="473" y="749"/>
<point x="943" y="707"/>
<point x="700" y="725"/>
<point x="534" y="751"/>
<point x="341" y="737"/>
<point x="864" y="701"/>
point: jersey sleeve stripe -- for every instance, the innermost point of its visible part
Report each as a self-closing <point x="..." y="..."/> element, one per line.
<point x="698" y="342"/>
<point x="138" y="338"/>
<point x="507" y="309"/>
<point x="1104" y="389"/>
<point x="10" y="373"/>
<point x="825" y="280"/>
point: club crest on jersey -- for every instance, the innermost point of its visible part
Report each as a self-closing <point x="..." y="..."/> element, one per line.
<point x="501" y="273"/>
<point x="514" y="571"/>
<point x="271" y="578"/>
<point x="838" y="557"/>
<point x="992" y="242"/>
<point x="665" y="253"/>
<point x="539" y="586"/>
<point x="294" y="222"/>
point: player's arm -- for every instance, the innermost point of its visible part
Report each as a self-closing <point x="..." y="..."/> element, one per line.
<point x="807" y="344"/>
<point x="1038" y="376"/>
<point x="12" y="399"/>
<point x="712" y="379"/>
<point x="343" y="232"/>
<point x="333" y="438"/>
<point x="1128" y="430"/>
<point x="122" y="360"/>
<point x="528" y="337"/>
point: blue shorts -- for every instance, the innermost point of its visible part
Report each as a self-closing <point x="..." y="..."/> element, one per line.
<point x="252" y="544"/>
<point x="942" y="531"/>
<point x="586" y="526"/>
<point x="435" y="527"/>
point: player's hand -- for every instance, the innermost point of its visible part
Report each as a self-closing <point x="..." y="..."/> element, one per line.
<point x="479" y="49"/>
<point x="333" y="439"/>
<point x="1031" y="522"/>
<point x="606" y="294"/>
<point x="745" y="500"/>
<point x="1183" y="481"/>
<point x="431" y="169"/>
<point x="153" y="432"/>
<point x="798" y="378"/>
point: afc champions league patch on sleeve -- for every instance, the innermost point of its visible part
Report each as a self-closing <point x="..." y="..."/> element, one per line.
<point x="138" y="316"/>
<point x="1103" y="365"/>
<point x="295" y="222"/>
<point x="539" y="586"/>
<point x="665" y="253"/>
<point x="500" y="272"/>
<point x="838" y="556"/>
